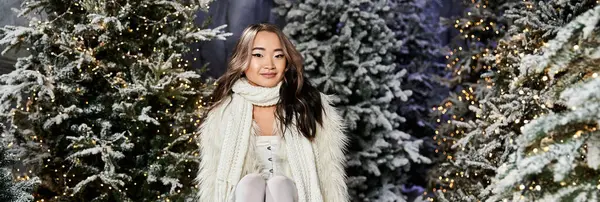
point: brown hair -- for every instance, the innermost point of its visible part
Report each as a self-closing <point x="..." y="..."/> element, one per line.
<point x="298" y="99"/>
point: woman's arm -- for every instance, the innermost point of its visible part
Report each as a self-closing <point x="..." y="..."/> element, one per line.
<point x="330" y="145"/>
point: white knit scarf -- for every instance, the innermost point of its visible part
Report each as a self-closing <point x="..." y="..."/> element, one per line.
<point x="236" y="132"/>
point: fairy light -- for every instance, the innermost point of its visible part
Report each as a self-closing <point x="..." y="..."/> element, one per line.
<point x="62" y="176"/>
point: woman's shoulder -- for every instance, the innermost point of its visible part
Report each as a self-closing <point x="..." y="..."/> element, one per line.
<point x="331" y="113"/>
<point x="220" y="106"/>
<point x="327" y="99"/>
<point x="333" y="129"/>
<point x="328" y="102"/>
<point x="216" y="112"/>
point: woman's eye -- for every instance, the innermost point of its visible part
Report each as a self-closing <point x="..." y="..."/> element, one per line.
<point x="279" y="56"/>
<point x="257" y="55"/>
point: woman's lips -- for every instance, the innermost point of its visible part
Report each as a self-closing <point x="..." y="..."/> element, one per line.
<point x="269" y="75"/>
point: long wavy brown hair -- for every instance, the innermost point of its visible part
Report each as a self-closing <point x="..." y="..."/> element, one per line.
<point x="299" y="101"/>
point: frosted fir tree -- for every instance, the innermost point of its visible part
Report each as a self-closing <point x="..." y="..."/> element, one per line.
<point x="416" y="29"/>
<point x="480" y="28"/>
<point x="19" y="191"/>
<point x="490" y="138"/>
<point x="348" y="51"/>
<point x="105" y="106"/>
<point x="418" y="53"/>
<point x="557" y="156"/>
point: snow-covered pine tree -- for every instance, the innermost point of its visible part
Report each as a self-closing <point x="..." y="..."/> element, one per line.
<point x="557" y="151"/>
<point x="105" y="107"/>
<point x="479" y="28"/>
<point x="417" y="30"/>
<point x="348" y="51"/>
<point x="19" y="191"/>
<point x="501" y="112"/>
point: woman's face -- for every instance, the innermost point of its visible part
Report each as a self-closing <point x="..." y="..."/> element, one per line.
<point x="267" y="62"/>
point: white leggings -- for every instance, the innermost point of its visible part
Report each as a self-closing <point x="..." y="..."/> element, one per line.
<point x="253" y="188"/>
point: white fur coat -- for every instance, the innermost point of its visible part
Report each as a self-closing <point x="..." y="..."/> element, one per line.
<point x="328" y="149"/>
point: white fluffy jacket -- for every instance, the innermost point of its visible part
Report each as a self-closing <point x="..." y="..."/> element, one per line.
<point x="327" y="150"/>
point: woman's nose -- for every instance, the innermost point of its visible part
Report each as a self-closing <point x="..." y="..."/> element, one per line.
<point x="270" y="64"/>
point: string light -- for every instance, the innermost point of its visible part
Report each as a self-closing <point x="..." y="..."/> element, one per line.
<point x="83" y="69"/>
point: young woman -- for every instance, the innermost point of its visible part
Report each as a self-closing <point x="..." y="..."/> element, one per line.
<point x="270" y="135"/>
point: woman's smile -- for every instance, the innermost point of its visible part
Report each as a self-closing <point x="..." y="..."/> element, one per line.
<point x="269" y="75"/>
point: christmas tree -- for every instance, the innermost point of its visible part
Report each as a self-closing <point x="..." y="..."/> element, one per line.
<point x="348" y="50"/>
<point x="419" y="53"/>
<point x="417" y="30"/>
<point x="515" y="97"/>
<point x="105" y="107"/>
<point x="9" y="190"/>
<point x="480" y="28"/>
<point x="550" y="68"/>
